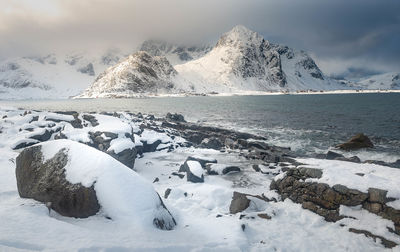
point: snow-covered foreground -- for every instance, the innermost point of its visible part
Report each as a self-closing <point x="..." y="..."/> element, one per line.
<point x="201" y="210"/>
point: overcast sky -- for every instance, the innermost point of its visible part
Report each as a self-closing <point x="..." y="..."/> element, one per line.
<point x="356" y="36"/>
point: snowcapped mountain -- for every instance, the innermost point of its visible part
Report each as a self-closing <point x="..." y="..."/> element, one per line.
<point x="176" y="54"/>
<point x="380" y="81"/>
<point x="54" y="75"/>
<point x="138" y="74"/>
<point x="243" y="60"/>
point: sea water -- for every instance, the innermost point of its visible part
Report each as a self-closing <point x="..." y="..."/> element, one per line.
<point x="308" y="124"/>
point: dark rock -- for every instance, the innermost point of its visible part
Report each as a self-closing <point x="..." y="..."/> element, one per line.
<point x="175" y="117"/>
<point x="386" y="243"/>
<point x="356" y="142"/>
<point x="239" y="203"/>
<point x="45" y="181"/>
<point x="127" y="156"/>
<point x="42" y="137"/>
<point x="24" y="144"/>
<point x="212" y="143"/>
<point x="181" y="176"/>
<point x="376" y="195"/>
<point x="256" y="168"/>
<point x="34" y="119"/>
<point x="90" y="118"/>
<point x="150" y="147"/>
<point x="257" y="144"/>
<point x="167" y="192"/>
<point x="317" y="197"/>
<point x="156" y="180"/>
<point x="150" y="117"/>
<point x="333" y="155"/>
<point x="311" y="172"/>
<point x="264" y="216"/>
<point x="353" y="159"/>
<point x="189" y="175"/>
<point x="230" y="143"/>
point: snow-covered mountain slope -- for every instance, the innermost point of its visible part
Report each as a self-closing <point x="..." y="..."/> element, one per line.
<point x="176" y="54"/>
<point x="244" y="60"/>
<point x="139" y="74"/>
<point x="52" y="76"/>
<point x="380" y="81"/>
<point x="241" y="61"/>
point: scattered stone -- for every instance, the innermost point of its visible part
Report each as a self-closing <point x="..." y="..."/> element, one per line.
<point x="34" y="119"/>
<point x="150" y="147"/>
<point x="211" y="143"/>
<point x="92" y="119"/>
<point x="385" y="242"/>
<point x="239" y="203"/>
<point x="181" y="176"/>
<point x="194" y="171"/>
<point x="330" y="155"/>
<point x="264" y="216"/>
<point x="167" y="192"/>
<point x="221" y="169"/>
<point x="43" y="136"/>
<point x="127" y="156"/>
<point x="256" y="168"/>
<point x="376" y="195"/>
<point x="358" y="141"/>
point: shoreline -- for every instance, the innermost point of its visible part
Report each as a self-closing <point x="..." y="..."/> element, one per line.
<point x="180" y="95"/>
<point x="244" y="93"/>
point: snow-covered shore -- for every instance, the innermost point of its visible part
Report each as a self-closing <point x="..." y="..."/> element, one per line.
<point x="202" y="210"/>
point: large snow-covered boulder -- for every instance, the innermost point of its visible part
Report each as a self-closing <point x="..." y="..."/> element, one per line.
<point x="77" y="180"/>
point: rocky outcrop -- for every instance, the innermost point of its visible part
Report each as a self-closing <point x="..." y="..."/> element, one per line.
<point x="325" y="200"/>
<point x="358" y="141"/>
<point x="175" y="117"/>
<point x="44" y="181"/>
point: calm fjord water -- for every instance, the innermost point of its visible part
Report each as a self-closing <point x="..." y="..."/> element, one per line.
<point x="306" y="123"/>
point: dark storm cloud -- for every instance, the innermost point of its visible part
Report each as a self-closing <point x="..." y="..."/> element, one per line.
<point x="357" y="34"/>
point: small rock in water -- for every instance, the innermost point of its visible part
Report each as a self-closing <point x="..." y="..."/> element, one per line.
<point x="358" y="141"/>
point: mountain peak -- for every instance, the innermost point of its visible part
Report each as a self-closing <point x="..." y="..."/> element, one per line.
<point x="240" y="35"/>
